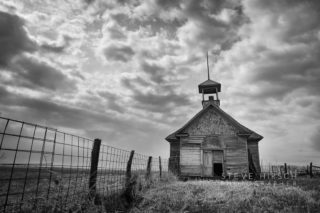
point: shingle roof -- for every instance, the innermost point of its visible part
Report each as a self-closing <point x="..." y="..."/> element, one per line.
<point x="242" y="130"/>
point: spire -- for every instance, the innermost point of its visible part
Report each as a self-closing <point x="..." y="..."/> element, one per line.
<point x="208" y="65"/>
<point x="209" y="87"/>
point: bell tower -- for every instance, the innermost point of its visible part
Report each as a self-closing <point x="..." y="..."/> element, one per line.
<point x="210" y="87"/>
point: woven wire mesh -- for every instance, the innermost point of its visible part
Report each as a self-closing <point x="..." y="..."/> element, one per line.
<point x="40" y="164"/>
<point x="111" y="170"/>
<point x="42" y="167"/>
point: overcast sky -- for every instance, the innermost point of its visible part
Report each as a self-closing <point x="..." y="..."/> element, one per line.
<point x="127" y="71"/>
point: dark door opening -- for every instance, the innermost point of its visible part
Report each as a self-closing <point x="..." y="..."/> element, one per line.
<point x="217" y="169"/>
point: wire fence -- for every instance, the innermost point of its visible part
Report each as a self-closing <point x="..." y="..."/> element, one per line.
<point x="300" y="170"/>
<point x="43" y="168"/>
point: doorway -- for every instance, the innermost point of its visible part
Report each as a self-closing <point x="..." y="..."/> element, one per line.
<point x="217" y="169"/>
<point x="212" y="163"/>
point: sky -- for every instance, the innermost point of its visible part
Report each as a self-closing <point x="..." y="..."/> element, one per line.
<point x="127" y="71"/>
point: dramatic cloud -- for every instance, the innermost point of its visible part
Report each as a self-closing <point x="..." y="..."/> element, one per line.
<point x="58" y="46"/>
<point x="119" y="52"/>
<point x="288" y="57"/>
<point x="33" y="73"/>
<point x="155" y="72"/>
<point x="127" y="71"/>
<point x="112" y="100"/>
<point x="13" y="38"/>
<point x="162" y="99"/>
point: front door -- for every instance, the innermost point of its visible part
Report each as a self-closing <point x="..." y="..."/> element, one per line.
<point x="207" y="163"/>
<point x="212" y="163"/>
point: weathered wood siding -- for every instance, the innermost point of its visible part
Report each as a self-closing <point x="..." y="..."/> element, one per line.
<point x="236" y="154"/>
<point x="207" y="164"/>
<point x="253" y="146"/>
<point x="193" y="139"/>
<point x="210" y="123"/>
<point x="209" y="133"/>
<point x="217" y="156"/>
<point x="213" y="142"/>
<point x="174" y="160"/>
<point x="190" y="160"/>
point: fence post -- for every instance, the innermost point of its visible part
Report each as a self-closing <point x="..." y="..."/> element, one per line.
<point x="148" y="168"/>
<point x="311" y="175"/>
<point x="128" y="172"/>
<point x="93" y="169"/>
<point x="285" y="168"/>
<point x="160" y="167"/>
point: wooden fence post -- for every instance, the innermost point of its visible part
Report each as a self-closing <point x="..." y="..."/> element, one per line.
<point x="148" y="168"/>
<point x="285" y="168"/>
<point x="94" y="168"/>
<point x="128" y="172"/>
<point x="311" y="174"/>
<point x="160" y="167"/>
<point x="129" y="190"/>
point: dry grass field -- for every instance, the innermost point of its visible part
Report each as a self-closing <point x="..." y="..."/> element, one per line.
<point x="67" y="191"/>
<point x="224" y="196"/>
<point x="70" y="194"/>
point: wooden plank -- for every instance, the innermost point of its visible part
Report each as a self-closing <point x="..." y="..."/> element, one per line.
<point x="191" y="170"/>
<point x="190" y="155"/>
<point x="236" y="155"/>
<point x="254" y="150"/>
<point x="207" y="164"/>
<point x="192" y="140"/>
<point x="217" y="156"/>
<point x="201" y="162"/>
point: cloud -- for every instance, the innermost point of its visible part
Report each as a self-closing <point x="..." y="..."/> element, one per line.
<point x="56" y="46"/>
<point x="112" y="100"/>
<point x="315" y="139"/>
<point x="29" y="70"/>
<point x="160" y="103"/>
<point x="268" y="65"/>
<point x="14" y="39"/>
<point x="160" y="99"/>
<point x="33" y="73"/>
<point x="155" y="72"/>
<point x="163" y="9"/>
<point x="118" y="52"/>
<point x="276" y="58"/>
<point x="210" y="24"/>
<point x="123" y="132"/>
<point x="270" y="75"/>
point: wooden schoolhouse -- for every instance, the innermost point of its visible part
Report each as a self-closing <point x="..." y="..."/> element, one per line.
<point x="213" y="143"/>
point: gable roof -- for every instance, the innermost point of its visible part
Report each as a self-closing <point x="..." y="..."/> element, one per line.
<point x="242" y="130"/>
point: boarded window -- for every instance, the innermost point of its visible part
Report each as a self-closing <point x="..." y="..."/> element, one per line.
<point x="190" y="155"/>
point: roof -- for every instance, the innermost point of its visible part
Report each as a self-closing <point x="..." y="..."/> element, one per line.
<point x="209" y="86"/>
<point x="242" y="130"/>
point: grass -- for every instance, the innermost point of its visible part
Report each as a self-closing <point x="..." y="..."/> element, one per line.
<point x="68" y="190"/>
<point x="223" y="196"/>
<point x="69" y="193"/>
